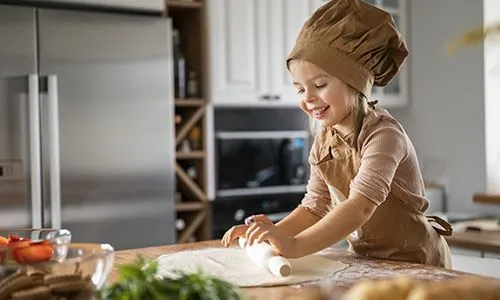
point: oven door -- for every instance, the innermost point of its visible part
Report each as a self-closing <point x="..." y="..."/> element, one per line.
<point x="261" y="162"/>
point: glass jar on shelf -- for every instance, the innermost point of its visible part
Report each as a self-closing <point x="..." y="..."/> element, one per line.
<point x="195" y="138"/>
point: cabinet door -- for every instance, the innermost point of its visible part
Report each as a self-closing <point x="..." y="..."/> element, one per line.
<point x="147" y="5"/>
<point x="395" y="94"/>
<point x="286" y="22"/>
<point x="238" y="51"/>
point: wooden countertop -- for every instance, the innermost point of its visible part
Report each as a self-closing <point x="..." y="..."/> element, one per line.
<point x="493" y="199"/>
<point x="485" y="241"/>
<point x="359" y="268"/>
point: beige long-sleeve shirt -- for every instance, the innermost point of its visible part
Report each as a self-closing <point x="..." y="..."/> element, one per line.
<point x="389" y="164"/>
<point x="384" y="169"/>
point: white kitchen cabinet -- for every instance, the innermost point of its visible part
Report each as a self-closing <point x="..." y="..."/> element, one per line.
<point x="248" y="44"/>
<point x="287" y="20"/>
<point x="147" y="5"/>
<point x="396" y="93"/>
<point x="249" y="41"/>
<point x="238" y="51"/>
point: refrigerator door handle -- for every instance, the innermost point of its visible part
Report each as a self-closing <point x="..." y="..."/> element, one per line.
<point x="34" y="147"/>
<point x="54" y="160"/>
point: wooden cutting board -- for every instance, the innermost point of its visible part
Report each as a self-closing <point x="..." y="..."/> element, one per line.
<point x="478" y="225"/>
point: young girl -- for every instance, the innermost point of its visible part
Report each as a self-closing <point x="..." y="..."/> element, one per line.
<point x="365" y="183"/>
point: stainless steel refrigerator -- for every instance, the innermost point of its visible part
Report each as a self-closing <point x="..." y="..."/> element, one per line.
<point x="86" y="125"/>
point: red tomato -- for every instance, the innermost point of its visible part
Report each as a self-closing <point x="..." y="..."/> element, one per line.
<point x="3" y="248"/>
<point x="32" y="253"/>
<point x="19" y="244"/>
<point x="15" y="239"/>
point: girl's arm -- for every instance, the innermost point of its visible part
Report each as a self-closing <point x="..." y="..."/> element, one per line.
<point x="297" y="221"/>
<point x="383" y="150"/>
<point x="336" y="225"/>
<point x="345" y="218"/>
<point x="315" y="205"/>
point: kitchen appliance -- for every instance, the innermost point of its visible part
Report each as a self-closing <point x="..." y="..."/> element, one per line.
<point x="261" y="162"/>
<point x="86" y="125"/>
<point x="230" y="211"/>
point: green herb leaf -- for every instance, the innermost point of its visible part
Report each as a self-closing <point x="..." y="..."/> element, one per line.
<point x="138" y="280"/>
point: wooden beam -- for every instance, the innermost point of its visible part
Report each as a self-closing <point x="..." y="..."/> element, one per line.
<point x="191" y="228"/>
<point x="190" y="155"/>
<point x="183" y="3"/>
<point x="189" y="206"/>
<point x="193" y="187"/>
<point x="189" y="102"/>
<point x="183" y="132"/>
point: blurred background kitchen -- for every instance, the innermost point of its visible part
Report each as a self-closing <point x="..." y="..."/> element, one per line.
<point x="154" y="122"/>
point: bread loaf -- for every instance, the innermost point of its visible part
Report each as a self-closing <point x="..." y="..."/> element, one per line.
<point x="404" y="288"/>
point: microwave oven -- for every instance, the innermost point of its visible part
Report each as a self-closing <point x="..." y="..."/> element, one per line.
<point x="261" y="162"/>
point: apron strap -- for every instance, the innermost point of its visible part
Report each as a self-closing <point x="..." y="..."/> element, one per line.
<point x="448" y="229"/>
<point x="372" y="103"/>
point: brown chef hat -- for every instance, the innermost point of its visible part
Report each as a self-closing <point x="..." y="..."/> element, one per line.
<point x="353" y="41"/>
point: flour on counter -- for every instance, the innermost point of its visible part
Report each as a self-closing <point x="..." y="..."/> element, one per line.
<point x="233" y="265"/>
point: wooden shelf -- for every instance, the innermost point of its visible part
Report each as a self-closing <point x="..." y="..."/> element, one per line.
<point x="190" y="155"/>
<point x="189" y="206"/>
<point x="189" y="18"/>
<point x="487" y="198"/>
<point x="189" y="102"/>
<point x="191" y="121"/>
<point x="183" y="3"/>
<point x="192" y="226"/>
<point x="190" y="184"/>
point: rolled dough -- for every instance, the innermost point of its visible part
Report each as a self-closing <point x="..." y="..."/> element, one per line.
<point x="234" y="266"/>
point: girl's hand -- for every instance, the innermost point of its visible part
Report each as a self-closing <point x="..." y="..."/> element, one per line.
<point x="266" y="231"/>
<point x="240" y="230"/>
<point x="234" y="233"/>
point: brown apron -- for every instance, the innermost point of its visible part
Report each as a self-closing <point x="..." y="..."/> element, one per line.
<point x="395" y="230"/>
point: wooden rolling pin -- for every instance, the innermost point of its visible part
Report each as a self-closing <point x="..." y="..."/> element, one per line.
<point x="262" y="254"/>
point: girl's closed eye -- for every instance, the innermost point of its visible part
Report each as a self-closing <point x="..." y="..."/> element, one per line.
<point x="320" y="86"/>
<point x="317" y="86"/>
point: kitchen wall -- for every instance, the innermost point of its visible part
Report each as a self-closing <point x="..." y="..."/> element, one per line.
<point x="446" y="116"/>
<point x="492" y="96"/>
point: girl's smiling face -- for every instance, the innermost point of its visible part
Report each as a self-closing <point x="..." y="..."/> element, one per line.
<point x="323" y="97"/>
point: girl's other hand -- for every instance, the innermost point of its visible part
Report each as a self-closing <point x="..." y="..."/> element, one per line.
<point x="240" y="230"/>
<point x="257" y="218"/>
<point x="234" y="233"/>
<point x="265" y="231"/>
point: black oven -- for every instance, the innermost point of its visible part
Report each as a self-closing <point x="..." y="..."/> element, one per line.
<point x="230" y="211"/>
<point x="261" y="162"/>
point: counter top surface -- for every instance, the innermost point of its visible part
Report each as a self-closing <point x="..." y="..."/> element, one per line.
<point x="486" y="241"/>
<point x="359" y="268"/>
